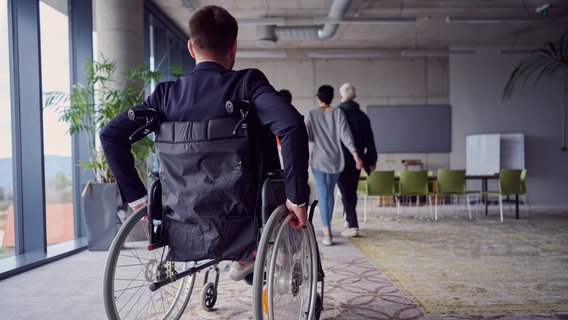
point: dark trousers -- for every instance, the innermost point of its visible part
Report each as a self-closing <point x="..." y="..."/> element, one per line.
<point x="348" y="181"/>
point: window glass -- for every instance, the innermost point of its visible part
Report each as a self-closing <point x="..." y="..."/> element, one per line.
<point x="54" y="30"/>
<point x="6" y="186"/>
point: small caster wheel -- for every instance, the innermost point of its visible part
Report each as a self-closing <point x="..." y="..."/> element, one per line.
<point x="208" y="296"/>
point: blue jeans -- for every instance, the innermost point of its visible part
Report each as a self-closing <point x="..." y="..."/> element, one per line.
<point x="325" y="183"/>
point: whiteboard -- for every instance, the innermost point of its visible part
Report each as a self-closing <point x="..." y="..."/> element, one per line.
<point x="482" y="154"/>
<point x="488" y="153"/>
<point x="512" y="150"/>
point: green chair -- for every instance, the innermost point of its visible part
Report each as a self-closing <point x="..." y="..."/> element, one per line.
<point x="379" y="184"/>
<point x="431" y="182"/>
<point x="362" y="183"/>
<point x="509" y="184"/>
<point x="362" y="186"/>
<point x="451" y="183"/>
<point x="413" y="183"/>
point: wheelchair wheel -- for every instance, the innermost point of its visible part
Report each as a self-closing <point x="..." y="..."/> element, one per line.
<point x="130" y="268"/>
<point x="286" y="269"/>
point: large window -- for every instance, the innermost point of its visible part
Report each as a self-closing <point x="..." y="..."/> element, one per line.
<point x="6" y="185"/>
<point x="54" y="33"/>
<point x="40" y="196"/>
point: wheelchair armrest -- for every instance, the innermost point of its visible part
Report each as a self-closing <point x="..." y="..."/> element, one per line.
<point x="154" y="175"/>
<point x="279" y="173"/>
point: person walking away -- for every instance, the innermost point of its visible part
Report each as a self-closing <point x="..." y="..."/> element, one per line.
<point x="327" y="130"/>
<point x="365" y="145"/>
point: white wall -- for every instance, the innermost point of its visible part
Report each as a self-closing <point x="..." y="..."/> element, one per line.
<point x="476" y="86"/>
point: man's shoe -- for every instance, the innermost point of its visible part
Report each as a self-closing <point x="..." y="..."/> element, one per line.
<point x="239" y="272"/>
<point x="350" y="232"/>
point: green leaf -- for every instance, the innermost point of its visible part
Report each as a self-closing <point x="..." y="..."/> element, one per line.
<point x="550" y="60"/>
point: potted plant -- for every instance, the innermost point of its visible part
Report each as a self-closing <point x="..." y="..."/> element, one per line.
<point x="550" y="60"/>
<point x="88" y="109"/>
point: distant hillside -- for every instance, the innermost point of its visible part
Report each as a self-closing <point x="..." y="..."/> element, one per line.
<point x="53" y="165"/>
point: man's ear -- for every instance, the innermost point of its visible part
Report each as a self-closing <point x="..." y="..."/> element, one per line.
<point x="234" y="50"/>
<point x="190" y="48"/>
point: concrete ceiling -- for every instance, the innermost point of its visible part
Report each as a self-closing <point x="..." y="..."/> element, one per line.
<point x="521" y="26"/>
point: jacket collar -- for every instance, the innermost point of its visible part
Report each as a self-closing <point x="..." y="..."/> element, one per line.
<point x="209" y="65"/>
<point x="349" y="105"/>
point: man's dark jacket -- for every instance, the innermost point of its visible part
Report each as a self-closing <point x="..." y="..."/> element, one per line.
<point x="201" y="96"/>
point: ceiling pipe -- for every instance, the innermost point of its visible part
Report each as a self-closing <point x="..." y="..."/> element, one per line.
<point x="336" y="11"/>
<point x="267" y="35"/>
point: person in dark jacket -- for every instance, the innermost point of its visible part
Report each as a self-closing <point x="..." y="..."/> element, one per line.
<point x="365" y="144"/>
<point x="200" y="96"/>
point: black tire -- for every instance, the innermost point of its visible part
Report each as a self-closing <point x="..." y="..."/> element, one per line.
<point x="208" y="296"/>
<point x="130" y="268"/>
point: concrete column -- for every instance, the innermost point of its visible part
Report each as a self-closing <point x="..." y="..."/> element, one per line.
<point x="120" y="34"/>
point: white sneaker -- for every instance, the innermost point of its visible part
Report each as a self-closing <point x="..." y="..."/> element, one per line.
<point x="239" y="272"/>
<point x="327" y="240"/>
<point x="350" y="232"/>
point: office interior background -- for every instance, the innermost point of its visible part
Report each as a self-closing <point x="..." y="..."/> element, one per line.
<point x="396" y="53"/>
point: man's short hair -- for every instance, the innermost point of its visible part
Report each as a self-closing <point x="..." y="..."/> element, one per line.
<point x="213" y="29"/>
<point x="347" y="91"/>
<point x="325" y="93"/>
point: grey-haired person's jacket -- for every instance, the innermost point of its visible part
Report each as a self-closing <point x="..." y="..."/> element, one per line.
<point x="362" y="133"/>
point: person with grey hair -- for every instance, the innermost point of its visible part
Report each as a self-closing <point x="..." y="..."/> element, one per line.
<point x="328" y="130"/>
<point x="365" y="145"/>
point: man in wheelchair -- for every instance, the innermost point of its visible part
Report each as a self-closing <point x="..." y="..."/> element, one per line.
<point x="200" y="96"/>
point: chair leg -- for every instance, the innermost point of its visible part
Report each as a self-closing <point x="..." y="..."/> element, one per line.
<point x="397" y="207"/>
<point x="527" y="203"/>
<point x="365" y="214"/>
<point x="436" y="208"/>
<point x="468" y="205"/>
<point x="501" y="206"/>
<point x="430" y="206"/>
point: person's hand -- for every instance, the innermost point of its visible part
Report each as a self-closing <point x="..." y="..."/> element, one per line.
<point x="358" y="164"/>
<point x="358" y="161"/>
<point x="372" y="168"/>
<point x="299" y="221"/>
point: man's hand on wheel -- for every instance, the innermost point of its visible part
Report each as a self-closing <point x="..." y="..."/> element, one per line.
<point x="301" y="215"/>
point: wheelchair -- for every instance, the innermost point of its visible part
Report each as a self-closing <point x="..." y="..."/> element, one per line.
<point x="141" y="283"/>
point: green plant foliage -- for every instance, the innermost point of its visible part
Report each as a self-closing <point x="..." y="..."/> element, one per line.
<point x="551" y="59"/>
<point x="92" y="105"/>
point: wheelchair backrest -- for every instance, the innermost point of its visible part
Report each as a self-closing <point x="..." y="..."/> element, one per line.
<point x="210" y="174"/>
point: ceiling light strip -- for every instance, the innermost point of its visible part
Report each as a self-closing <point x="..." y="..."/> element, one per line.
<point x="344" y="54"/>
<point x="261" y="54"/>
<point x="433" y="53"/>
<point x="369" y="20"/>
<point x="262" y="21"/>
<point x="496" y="20"/>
